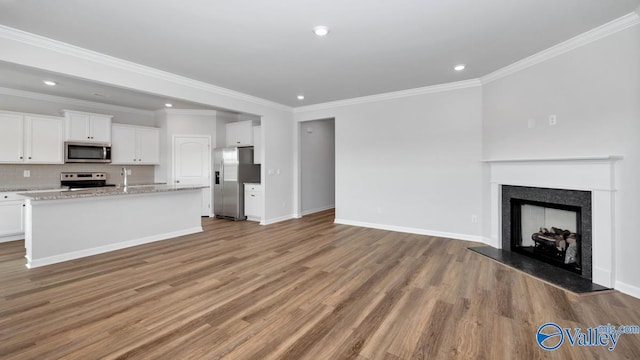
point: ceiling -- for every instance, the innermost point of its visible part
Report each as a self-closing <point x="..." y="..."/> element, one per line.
<point x="18" y="77"/>
<point x="267" y="48"/>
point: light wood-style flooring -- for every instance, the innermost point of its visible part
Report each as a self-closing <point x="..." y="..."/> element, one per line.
<point x="300" y="289"/>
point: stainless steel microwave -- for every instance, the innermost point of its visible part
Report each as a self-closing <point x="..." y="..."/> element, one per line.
<point x="80" y="152"/>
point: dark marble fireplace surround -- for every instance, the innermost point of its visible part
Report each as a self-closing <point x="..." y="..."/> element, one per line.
<point x="575" y="198"/>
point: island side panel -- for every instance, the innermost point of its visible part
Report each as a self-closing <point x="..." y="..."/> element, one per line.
<point x="61" y="230"/>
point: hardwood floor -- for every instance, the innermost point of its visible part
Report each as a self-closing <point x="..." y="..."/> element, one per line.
<point x="301" y="289"/>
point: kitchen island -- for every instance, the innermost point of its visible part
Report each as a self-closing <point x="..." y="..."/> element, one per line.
<point x="66" y="225"/>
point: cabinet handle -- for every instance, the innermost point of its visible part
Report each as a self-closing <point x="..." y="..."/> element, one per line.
<point x="134" y="159"/>
<point x="29" y="157"/>
<point x="139" y="159"/>
<point x="21" y="158"/>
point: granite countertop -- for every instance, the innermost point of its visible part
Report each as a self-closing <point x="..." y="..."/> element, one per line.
<point x="107" y="191"/>
<point x="24" y="188"/>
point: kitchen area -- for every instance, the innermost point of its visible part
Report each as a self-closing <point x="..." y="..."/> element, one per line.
<point x="81" y="184"/>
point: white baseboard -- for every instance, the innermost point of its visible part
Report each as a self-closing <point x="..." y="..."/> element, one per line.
<point x="491" y="242"/>
<point x="323" y="208"/>
<point x="602" y="277"/>
<point x="410" y="230"/>
<point x="628" y="289"/>
<point x="11" y="238"/>
<point x="277" y="220"/>
<point x="112" y="247"/>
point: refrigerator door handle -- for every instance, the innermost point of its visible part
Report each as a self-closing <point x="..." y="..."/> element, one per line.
<point x="222" y="173"/>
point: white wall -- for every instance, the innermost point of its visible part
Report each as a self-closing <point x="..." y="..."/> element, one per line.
<point x="317" y="165"/>
<point x="595" y="92"/>
<point x="410" y="163"/>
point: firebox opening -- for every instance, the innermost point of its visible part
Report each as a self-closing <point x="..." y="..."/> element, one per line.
<point x="548" y="232"/>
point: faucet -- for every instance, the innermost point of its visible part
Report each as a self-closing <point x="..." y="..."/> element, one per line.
<point x="124" y="176"/>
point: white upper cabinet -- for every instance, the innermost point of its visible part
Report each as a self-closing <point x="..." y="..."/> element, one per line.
<point x="135" y="145"/>
<point x="148" y="145"/>
<point x="11" y="138"/>
<point x="45" y="142"/>
<point x="257" y="145"/>
<point x="87" y="127"/>
<point x="240" y="133"/>
<point x="35" y="139"/>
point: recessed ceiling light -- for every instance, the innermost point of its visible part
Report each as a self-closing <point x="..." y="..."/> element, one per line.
<point x="50" y="83"/>
<point x="168" y="105"/>
<point x="321" y="30"/>
<point x="300" y="97"/>
<point x="459" y="67"/>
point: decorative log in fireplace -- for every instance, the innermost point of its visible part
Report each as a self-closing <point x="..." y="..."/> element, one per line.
<point x="559" y="243"/>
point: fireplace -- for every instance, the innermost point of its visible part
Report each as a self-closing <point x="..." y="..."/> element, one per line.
<point x="592" y="176"/>
<point x="550" y="225"/>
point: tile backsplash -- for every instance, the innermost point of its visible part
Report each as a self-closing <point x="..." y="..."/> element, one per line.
<point x="12" y="176"/>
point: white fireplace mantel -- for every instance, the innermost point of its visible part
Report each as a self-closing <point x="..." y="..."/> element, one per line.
<point x="590" y="173"/>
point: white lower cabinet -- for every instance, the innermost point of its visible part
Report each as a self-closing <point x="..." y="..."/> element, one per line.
<point x="11" y="217"/>
<point x="253" y="201"/>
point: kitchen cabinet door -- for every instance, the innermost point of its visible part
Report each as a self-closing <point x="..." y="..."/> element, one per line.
<point x="78" y="127"/>
<point x="87" y="127"/>
<point x="11" y="219"/>
<point x="123" y="145"/>
<point x="257" y="145"/>
<point x="239" y="133"/>
<point x="44" y="140"/>
<point x="11" y="138"/>
<point x="253" y="201"/>
<point x="100" y="128"/>
<point x="135" y="145"/>
<point x="148" y="145"/>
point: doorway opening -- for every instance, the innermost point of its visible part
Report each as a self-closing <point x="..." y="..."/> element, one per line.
<point x="317" y="166"/>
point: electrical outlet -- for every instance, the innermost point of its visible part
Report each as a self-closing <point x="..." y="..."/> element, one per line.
<point x="128" y="171"/>
<point x="26" y="173"/>
<point x="553" y="119"/>
<point x="474" y="219"/>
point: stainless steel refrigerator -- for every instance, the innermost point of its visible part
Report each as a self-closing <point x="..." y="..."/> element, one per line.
<point x="232" y="166"/>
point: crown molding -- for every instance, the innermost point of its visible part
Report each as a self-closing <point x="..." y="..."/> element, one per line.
<point x="72" y="101"/>
<point x="85" y="54"/>
<point x="583" y="39"/>
<point x="391" y="95"/>
<point x="188" y="112"/>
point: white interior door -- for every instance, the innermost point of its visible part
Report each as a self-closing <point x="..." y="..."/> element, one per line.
<point x="192" y="165"/>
